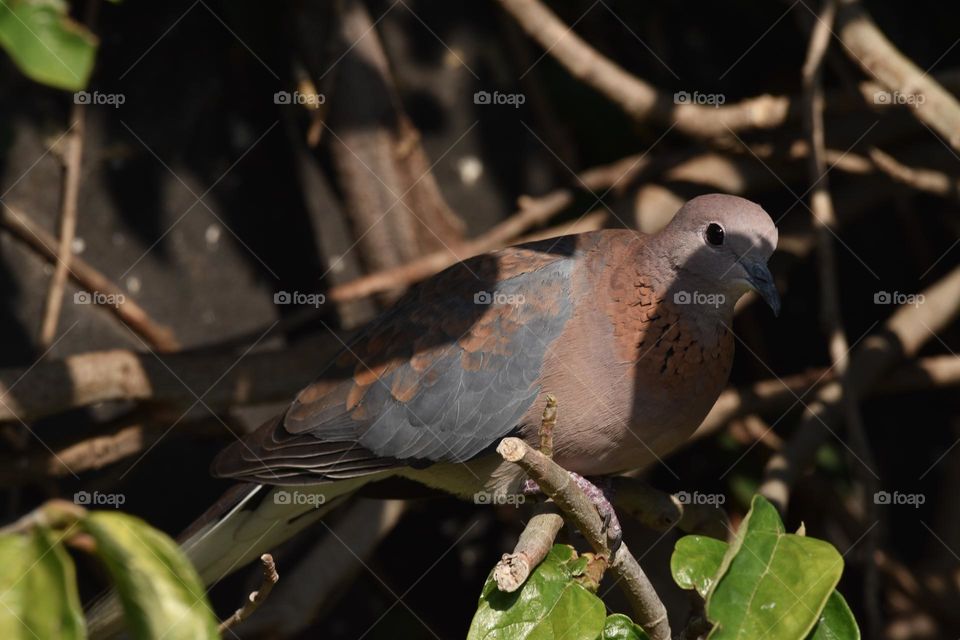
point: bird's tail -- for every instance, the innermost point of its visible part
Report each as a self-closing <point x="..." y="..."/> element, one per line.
<point x="247" y="521"/>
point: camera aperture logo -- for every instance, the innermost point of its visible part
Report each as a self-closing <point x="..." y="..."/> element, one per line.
<point x="714" y="300"/>
<point x="315" y="500"/>
<point x="896" y="498"/>
<point x="97" y="499"/>
<point x="715" y="499"/>
<point x="487" y="497"/>
<point x="897" y="298"/>
<point x="512" y="99"/>
<point x="95" y="97"/>
<point x="297" y="297"/>
<point x="309" y="99"/>
<point x="708" y="99"/>
<point x="99" y="297"/>
<point x="896" y="97"/>
<point x="498" y="297"/>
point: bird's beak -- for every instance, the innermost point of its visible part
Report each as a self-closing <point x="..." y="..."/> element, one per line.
<point x="762" y="282"/>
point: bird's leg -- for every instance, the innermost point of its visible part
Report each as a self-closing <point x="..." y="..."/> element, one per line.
<point x="601" y="499"/>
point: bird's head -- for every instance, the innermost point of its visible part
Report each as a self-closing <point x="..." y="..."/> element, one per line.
<point x="725" y="242"/>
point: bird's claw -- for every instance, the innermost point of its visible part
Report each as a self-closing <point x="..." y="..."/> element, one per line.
<point x="601" y="499"/>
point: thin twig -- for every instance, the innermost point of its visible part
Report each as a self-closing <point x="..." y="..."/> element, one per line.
<point x="72" y="160"/>
<point x="907" y="83"/>
<point x="321" y="576"/>
<point x="824" y="222"/>
<point x="538" y="535"/>
<point x="547" y="424"/>
<point x="556" y="483"/>
<point x="636" y="97"/>
<point x="901" y="336"/>
<point x="255" y="599"/>
<point x="159" y="337"/>
<point x="776" y="395"/>
<point x="926" y="180"/>
<point x="532" y="211"/>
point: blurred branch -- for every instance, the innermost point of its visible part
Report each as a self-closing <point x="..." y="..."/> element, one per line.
<point x="531" y="212"/>
<point x="159" y="337"/>
<point x="774" y="396"/>
<point x="391" y="198"/>
<point x="926" y="180"/>
<point x="825" y="221"/>
<point x="661" y="511"/>
<point x="273" y="376"/>
<point x="319" y="577"/>
<point x="556" y="483"/>
<point x="126" y="437"/>
<point x="72" y="159"/>
<point x="903" y="334"/>
<point x="636" y="97"/>
<point x="867" y="46"/>
<point x="172" y="380"/>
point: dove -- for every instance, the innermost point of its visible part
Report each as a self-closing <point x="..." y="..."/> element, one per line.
<point x="631" y="333"/>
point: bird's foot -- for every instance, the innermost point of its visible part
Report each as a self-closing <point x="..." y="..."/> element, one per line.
<point x="601" y="499"/>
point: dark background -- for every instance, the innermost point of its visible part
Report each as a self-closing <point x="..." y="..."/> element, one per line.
<point x="199" y="114"/>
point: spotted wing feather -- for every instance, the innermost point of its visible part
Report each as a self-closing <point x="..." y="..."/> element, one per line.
<point x="440" y="377"/>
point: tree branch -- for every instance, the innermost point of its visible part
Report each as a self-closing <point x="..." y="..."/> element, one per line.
<point x="255" y="599"/>
<point x="556" y="483"/>
<point x="636" y="97"/>
<point x="867" y="46"/>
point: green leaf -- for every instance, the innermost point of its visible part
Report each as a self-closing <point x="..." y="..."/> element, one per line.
<point x="772" y="584"/>
<point x="620" y="627"/>
<point x="695" y="562"/>
<point x="836" y="621"/>
<point x="161" y="594"/>
<point x="38" y="589"/>
<point x="46" y="44"/>
<point x="551" y="604"/>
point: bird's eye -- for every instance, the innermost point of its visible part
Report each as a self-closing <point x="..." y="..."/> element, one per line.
<point x="714" y="234"/>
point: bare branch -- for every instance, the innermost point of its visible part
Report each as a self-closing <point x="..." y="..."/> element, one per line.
<point x="255" y="599"/>
<point x="636" y="97"/>
<point x="513" y="569"/>
<point x="68" y="224"/>
<point x="868" y="46"/>
<point x="158" y="336"/>
<point x="556" y="483"/>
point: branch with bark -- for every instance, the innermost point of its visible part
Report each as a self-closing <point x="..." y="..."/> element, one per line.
<point x="557" y="484"/>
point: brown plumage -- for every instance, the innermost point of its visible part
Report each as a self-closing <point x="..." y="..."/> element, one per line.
<point x="631" y="333"/>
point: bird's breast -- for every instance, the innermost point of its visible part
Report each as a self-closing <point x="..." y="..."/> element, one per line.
<point x="634" y="377"/>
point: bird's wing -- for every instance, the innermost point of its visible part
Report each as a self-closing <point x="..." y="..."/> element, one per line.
<point x="444" y="374"/>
